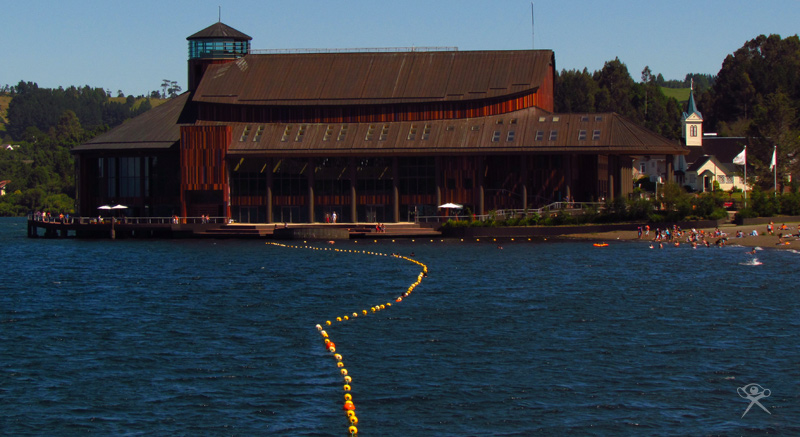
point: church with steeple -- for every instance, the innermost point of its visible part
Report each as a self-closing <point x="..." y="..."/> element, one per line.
<point x="709" y="165"/>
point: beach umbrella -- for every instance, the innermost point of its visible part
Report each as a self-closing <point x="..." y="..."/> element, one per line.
<point x="451" y="206"/>
<point x="104" y="207"/>
<point x="118" y="206"/>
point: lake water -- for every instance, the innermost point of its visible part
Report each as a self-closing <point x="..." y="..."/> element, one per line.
<point x="218" y="337"/>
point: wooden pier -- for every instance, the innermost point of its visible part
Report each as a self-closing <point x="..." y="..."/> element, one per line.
<point x="168" y="228"/>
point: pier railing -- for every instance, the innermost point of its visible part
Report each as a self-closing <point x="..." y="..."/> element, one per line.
<point x="571" y="208"/>
<point x="129" y="220"/>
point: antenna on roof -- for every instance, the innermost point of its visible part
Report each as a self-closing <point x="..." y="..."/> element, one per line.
<point x="533" y="35"/>
<point x="219" y="16"/>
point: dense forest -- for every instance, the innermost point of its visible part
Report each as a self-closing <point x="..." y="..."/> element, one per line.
<point x="41" y="126"/>
<point x="755" y="94"/>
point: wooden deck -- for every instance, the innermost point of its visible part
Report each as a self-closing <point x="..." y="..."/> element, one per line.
<point x="161" y="229"/>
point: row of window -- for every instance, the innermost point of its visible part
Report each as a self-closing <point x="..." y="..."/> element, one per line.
<point x="383" y="133"/>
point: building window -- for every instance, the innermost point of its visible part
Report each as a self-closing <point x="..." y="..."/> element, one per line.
<point x="384" y="133"/>
<point x="245" y="133"/>
<point x="412" y="133"/>
<point x="721" y="178"/>
<point x="475" y="127"/>
<point x="496" y="136"/>
<point x="513" y="121"/>
<point x="328" y="133"/>
<point x="584" y="118"/>
<point x="556" y="119"/>
<point x="342" y="133"/>
<point x="553" y="135"/>
<point x="598" y="118"/>
<point x="370" y="133"/>
<point x="542" y="119"/>
<point x="301" y="132"/>
<point x="510" y="136"/>
<point x="582" y="135"/>
<point x="286" y="133"/>
<point x="539" y="135"/>
<point x="693" y="131"/>
<point x="426" y="132"/>
<point x="596" y="134"/>
<point x="729" y="179"/>
<point x="259" y="132"/>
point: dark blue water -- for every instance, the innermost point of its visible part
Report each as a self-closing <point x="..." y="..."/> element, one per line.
<point x="217" y="337"/>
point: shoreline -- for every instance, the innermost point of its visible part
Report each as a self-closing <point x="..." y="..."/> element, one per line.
<point x="763" y="241"/>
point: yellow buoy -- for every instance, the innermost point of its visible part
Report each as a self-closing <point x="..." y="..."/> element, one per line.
<point x="353" y="430"/>
<point x="348" y="397"/>
<point x="353" y="419"/>
<point x="346" y="387"/>
<point x="338" y="357"/>
<point x="328" y="323"/>
<point x="340" y="364"/>
<point x="348" y="379"/>
<point x="338" y="319"/>
<point x="344" y="371"/>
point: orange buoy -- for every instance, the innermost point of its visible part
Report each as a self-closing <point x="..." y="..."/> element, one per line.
<point x="348" y="405"/>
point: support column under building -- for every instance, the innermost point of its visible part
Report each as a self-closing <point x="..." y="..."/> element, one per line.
<point x="268" y="200"/>
<point x="351" y="163"/>
<point x="523" y="176"/>
<point x="437" y="174"/>
<point x="568" y="159"/>
<point x="395" y="191"/>
<point x="310" y="200"/>
<point x="612" y="171"/>
<point x="480" y="165"/>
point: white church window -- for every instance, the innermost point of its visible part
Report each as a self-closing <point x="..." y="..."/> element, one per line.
<point x="693" y="131"/>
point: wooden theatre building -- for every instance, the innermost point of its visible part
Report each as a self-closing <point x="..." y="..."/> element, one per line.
<point x="371" y="136"/>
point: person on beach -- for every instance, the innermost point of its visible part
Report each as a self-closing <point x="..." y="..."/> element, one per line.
<point x="769" y="228"/>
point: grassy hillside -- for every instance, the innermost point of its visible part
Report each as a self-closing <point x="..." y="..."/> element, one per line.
<point x="682" y="94"/>
<point x="153" y="102"/>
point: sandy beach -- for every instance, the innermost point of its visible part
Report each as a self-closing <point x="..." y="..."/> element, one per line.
<point x="763" y="240"/>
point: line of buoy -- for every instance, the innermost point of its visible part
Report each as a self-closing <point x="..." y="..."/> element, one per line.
<point x="349" y="406"/>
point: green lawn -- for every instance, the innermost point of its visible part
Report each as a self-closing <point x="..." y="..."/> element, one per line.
<point x="682" y="94"/>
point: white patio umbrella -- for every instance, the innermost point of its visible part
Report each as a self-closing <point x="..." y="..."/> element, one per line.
<point x="451" y="206"/>
<point x="104" y="207"/>
<point x="118" y="206"/>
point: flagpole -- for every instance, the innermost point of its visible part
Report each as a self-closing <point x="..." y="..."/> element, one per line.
<point x="745" y="175"/>
<point x="775" y="167"/>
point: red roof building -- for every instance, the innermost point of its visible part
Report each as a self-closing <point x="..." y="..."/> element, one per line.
<point x="371" y="136"/>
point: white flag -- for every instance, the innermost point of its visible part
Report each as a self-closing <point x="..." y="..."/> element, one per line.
<point x="741" y="159"/>
<point x="774" y="158"/>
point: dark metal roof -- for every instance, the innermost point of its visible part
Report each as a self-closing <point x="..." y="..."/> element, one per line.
<point x="374" y="78"/>
<point x="220" y="30"/>
<point x="157" y="128"/>
<point x="526" y="131"/>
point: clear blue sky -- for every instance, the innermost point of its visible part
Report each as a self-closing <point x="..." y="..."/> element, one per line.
<point x="133" y="45"/>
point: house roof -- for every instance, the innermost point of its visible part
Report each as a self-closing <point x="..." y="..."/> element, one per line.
<point x="527" y="130"/>
<point x="220" y="30"/>
<point x="309" y="79"/>
<point x="157" y="128"/>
